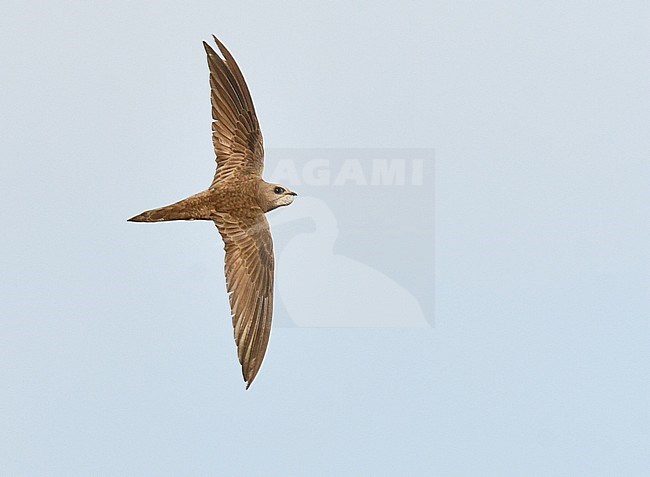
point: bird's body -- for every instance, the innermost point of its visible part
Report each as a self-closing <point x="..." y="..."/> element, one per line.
<point x="238" y="196"/>
<point x="236" y="202"/>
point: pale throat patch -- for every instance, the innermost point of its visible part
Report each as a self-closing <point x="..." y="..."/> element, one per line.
<point x="285" y="200"/>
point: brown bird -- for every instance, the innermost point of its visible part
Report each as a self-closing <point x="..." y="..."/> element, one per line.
<point x="236" y="202"/>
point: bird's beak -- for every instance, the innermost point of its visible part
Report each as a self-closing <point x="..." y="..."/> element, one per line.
<point x="292" y="193"/>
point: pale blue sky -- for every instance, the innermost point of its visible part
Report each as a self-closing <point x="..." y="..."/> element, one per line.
<point x="115" y="341"/>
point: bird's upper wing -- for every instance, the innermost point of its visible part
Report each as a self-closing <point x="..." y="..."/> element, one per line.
<point x="236" y="133"/>
<point x="249" y="280"/>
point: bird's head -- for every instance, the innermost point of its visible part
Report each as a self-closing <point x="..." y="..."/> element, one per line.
<point x="276" y="195"/>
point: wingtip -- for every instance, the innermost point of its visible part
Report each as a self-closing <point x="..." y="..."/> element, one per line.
<point x="224" y="51"/>
<point x="248" y="380"/>
<point x="208" y="49"/>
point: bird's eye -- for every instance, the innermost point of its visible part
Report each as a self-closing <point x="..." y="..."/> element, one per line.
<point x="278" y="190"/>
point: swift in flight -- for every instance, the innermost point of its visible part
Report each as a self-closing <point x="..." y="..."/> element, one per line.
<point x="236" y="202"/>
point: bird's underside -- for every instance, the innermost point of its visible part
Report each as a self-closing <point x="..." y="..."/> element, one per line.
<point x="236" y="202"/>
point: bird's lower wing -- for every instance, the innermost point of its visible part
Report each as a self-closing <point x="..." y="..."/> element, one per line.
<point x="249" y="279"/>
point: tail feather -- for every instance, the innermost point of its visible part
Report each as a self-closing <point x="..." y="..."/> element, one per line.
<point x="161" y="214"/>
<point x="196" y="207"/>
